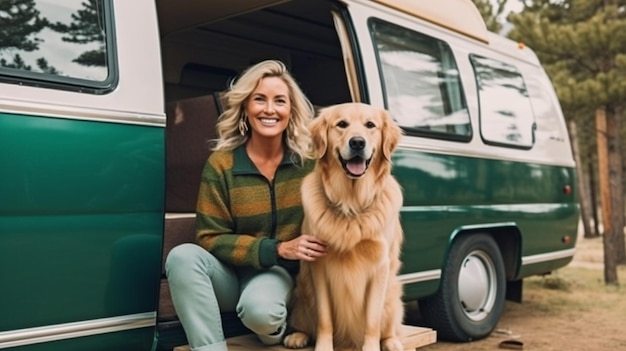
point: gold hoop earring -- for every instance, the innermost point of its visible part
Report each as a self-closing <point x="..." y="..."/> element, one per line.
<point x="243" y="125"/>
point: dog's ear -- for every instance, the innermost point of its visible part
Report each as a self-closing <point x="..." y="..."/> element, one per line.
<point x="319" y="133"/>
<point x="391" y="135"/>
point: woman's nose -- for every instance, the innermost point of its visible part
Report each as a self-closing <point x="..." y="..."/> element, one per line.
<point x="269" y="107"/>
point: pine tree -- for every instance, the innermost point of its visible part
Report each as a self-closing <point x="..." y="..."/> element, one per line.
<point x="582" y="44"/>
<point x="87" y="26"/>
<point x="43" y="65"/>
<point x="489" y="14"/>
<point x="18" y="63"/>
<point x="19" y="20"/>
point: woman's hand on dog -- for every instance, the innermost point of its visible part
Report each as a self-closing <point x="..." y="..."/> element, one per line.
<point x="305" y="247"/>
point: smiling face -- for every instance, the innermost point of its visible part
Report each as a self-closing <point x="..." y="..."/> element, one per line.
<point x="353" y="136"/>
<point x="269" y="108"/>
<point x="357" y="136"/>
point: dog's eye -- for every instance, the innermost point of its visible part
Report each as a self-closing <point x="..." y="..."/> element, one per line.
<point x="342" y="124"/>
<point x="370" y="125"/>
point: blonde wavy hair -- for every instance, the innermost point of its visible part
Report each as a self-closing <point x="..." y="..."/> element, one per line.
<point x="296" y="137"/>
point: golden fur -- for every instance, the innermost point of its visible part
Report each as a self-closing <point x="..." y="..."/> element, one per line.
<point x="351" y="297"/>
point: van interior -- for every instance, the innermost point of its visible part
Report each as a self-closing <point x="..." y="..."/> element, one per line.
<point x="205" y="45"/>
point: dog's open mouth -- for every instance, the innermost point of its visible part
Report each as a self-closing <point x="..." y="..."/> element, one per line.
<point x="356" y="166"/>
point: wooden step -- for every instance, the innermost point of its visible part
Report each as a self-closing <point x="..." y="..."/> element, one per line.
<point x="412" y="338"/>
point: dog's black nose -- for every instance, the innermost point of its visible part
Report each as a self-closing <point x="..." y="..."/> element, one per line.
<point x="357" y="143"/>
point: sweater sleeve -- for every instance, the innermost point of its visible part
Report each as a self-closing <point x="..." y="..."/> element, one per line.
<point x="216" y="229"/>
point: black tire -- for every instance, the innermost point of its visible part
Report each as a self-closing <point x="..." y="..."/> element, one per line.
<point x="472" y="291"/>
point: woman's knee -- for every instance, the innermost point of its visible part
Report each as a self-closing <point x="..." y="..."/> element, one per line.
<point x="184" y="257"/>
<point x="262" y="316"/>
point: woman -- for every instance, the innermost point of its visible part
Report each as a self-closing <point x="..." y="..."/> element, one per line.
<point x="249" y="214"/>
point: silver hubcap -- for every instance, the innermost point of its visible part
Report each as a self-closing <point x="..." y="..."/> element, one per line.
<point x="477" y="285"/>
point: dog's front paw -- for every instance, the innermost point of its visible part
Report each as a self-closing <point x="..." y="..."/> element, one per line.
<point x="324" y="342"/>
<point x="392" y="344"/>
<point x="371" y="346"/>
<point x="296" y="340"/>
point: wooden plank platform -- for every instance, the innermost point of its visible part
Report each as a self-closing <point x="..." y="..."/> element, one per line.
<point x="412" y="338"/>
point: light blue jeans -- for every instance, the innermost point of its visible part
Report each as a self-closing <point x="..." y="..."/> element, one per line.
<point x="202" y="286"/>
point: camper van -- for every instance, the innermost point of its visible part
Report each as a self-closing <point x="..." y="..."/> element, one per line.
<point x="107" y="108"/>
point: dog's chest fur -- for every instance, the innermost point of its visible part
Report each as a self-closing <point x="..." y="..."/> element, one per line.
<point x="353" y="227"/>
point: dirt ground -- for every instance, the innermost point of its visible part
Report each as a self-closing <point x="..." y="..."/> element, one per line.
<point x="571" y="309"/>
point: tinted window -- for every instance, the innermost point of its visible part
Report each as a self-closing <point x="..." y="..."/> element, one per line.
<point x="61" y="41"/>
<point x="506" y="114"/>
<point x="422" y="84"/>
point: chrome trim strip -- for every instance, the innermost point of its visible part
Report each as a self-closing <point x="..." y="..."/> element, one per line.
<point x="478" y="150"/>
<point x="418" y="277"/>
<point x="48" y="333"/>
<point x="81" y="113"/>
<point x="550" y="256"/>
<point x="174" y="215"/>
<point x="526" y="208"/>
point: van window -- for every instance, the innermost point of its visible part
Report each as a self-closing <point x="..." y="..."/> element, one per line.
<point x="47" y="42"/>
<point x="422" y="84"/>
<point x="544" y="105"/>
<point x="506" y="114"/>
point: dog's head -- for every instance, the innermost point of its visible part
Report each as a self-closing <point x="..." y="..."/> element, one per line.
<point x="355" y="136"/>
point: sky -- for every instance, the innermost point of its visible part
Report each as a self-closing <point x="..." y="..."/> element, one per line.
<point x="511" y="6"/>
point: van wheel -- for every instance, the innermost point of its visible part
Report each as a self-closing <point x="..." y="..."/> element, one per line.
<point x="471" y="295"/>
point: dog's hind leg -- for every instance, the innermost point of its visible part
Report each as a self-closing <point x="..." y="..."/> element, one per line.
<point x="302" y="317"/>
<point x="324" y="338"/>
<point x="300" y="331"/>
<point x="296" y="340"/>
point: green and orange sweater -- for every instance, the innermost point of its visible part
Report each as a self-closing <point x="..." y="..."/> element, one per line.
<point x="241" y="216"/>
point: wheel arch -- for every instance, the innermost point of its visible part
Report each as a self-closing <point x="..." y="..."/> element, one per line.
<point x="507" y="236"/>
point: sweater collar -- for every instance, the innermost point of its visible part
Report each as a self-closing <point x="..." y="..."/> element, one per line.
<point x="242" y="164"/>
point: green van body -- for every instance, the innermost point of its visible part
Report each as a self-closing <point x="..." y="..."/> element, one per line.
<point x="83" y="208"/>
<point x="81" y="224"/>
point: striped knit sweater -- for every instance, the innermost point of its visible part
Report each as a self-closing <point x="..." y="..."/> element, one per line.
<point x="241" y="216"/>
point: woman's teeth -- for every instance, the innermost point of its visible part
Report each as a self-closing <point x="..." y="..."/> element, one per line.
<point x="268" y="121"/>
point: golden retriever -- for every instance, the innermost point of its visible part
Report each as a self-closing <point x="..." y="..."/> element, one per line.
<point x="351" y="298"/>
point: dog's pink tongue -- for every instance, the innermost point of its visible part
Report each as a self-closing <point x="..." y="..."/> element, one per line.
<point x="356" y="166"/>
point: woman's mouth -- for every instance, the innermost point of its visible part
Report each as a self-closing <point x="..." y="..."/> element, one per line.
<point x="268" y="121"/>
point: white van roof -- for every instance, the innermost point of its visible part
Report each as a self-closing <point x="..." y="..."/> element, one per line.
<point x="445" y="13"/>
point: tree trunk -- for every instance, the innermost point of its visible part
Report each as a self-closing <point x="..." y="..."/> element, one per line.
<point x="614" y="135"/>
<point x="593" y="191"/>
<point x="611" y="234"/>
<point x="583" y="192"/>
<point x="603" y="170"/>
